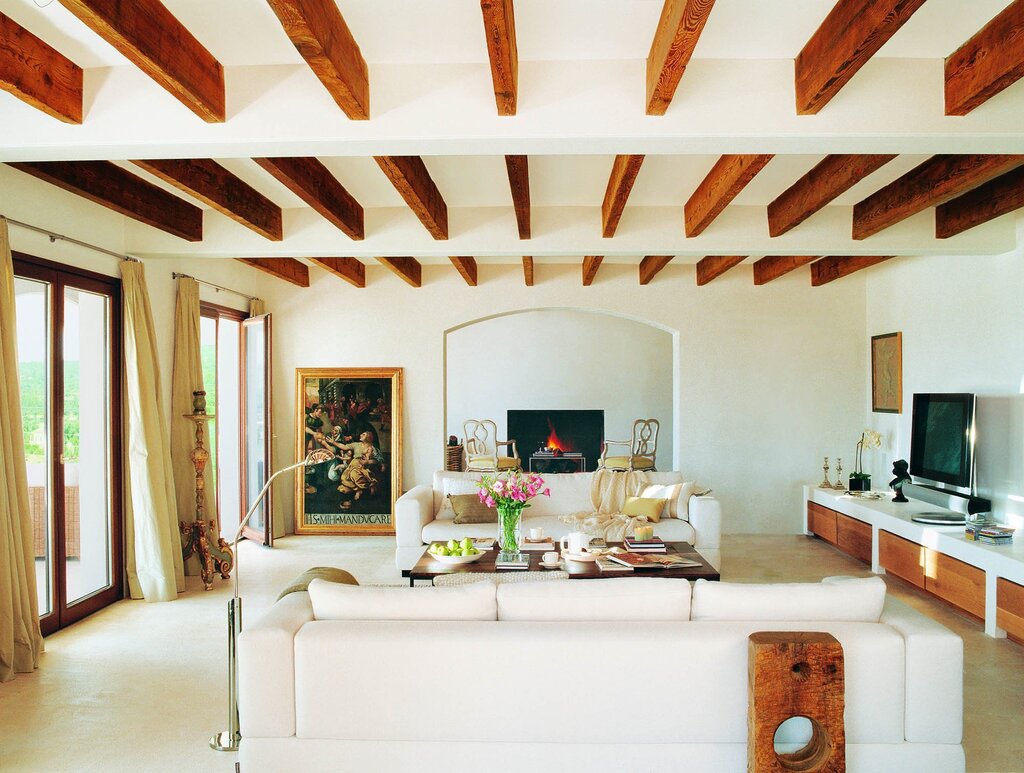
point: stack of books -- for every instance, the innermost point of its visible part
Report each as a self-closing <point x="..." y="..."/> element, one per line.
<point x="512" y="561"/>
<point x="544" y="545"/>
<point x="989" y="533"/>
<point x="605" y="564"/>
<point x="652" y="545"/>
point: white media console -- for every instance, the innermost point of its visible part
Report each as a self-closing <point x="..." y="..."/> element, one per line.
<point x="987" y="581"/>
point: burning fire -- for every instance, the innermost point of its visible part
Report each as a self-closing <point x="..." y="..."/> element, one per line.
<point x="554" y="442"/>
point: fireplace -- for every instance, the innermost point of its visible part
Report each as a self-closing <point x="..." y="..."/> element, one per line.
<point x="557" y="441"/>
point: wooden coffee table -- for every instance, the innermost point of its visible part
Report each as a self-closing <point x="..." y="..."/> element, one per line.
<point x="427" y="568"/>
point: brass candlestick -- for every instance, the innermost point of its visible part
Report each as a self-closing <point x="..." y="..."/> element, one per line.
<point x="826" y="483"/>
<point x="839" y="475"/>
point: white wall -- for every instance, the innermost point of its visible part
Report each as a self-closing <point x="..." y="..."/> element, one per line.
<point x="562" y="359"/>
<point x="962" y="321"/>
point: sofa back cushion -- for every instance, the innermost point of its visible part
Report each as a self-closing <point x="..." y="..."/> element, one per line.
<point x="841" y="599"/>
<point x="618" y="598"/>
<point x="334" y="601"/>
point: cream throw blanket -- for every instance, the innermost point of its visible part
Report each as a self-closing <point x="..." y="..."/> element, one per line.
<point x="608" y="493"/>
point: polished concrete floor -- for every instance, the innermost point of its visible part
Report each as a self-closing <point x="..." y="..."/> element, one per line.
<point x="141" y="687"/>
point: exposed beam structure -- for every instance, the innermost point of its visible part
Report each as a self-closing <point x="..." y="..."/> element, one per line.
<point x="713" y="266"/>
<point x="319" y="33"/>
<point x="849" y="36"/>
<point x="311" y="181"/>
<point x="987" y="63"/>
<point x="994" y="198"/>
<point x="528" y="270"/>
<point x="351" y="270"/>
<point x="288" y="269"/>
<point x="679" y="29"/>
<point x="214" y="185"/>
<point x="937" y="180"/>
<point x="151" y="38"/>
<point x="103" y="182"/>
<point x="727" y="178"/>
<point x="774" y="266"/>
<point x="500" y="31"/>
<point x="409" y="269"/>
<point x="591" y="263"/>
<point x="39" y="74"/>
<point x="834" y="267"/>
<point x="466" y="267"/>
<point x="620" y="183"/>
<point x="651" y="265"/>
<point x="519" y="182"/>
<point x="830" y="178"/>
<point x="411" y="179"/>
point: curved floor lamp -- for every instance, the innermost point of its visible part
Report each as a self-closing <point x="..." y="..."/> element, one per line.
<point x="227" y="740"/>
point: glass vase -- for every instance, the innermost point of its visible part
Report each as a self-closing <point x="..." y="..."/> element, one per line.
<point x="510" y="528"/>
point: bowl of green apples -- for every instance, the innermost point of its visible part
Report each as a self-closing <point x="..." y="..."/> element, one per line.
<point x="454" y="552"/>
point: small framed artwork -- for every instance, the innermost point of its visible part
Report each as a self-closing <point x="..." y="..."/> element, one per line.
<point x="887" y="373"/>
<point x="356" y="414"/>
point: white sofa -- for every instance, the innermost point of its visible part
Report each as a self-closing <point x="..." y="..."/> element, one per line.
<point x="421" y="518"/>
<point x="421" y="691"/>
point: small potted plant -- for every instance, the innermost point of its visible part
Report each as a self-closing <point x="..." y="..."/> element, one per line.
<point x="860" y="480"/>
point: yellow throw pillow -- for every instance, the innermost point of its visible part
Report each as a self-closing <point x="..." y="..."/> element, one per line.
<point x="652" y="508"/>
<point x="469" y="509"/>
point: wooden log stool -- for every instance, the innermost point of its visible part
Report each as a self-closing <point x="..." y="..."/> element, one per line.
<point x="795" y="674"/>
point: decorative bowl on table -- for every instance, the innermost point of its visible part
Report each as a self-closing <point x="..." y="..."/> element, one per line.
<point x="452" y="560"/>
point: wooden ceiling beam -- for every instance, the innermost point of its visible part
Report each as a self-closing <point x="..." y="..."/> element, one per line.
<point x="620" y="183"/>
<point x="996" y="197"/>
<point x="157" y="43"/>
<point x="214" y="185"/>
<point x="500" y="31"/>
<point x="38" y="74"/>
<point x="713" y="266"/>
<point x="350" y="269"/>
<point x="518" y="168"/>
<point x="106" y="183"/>
<point x="727" y="178"/>
<point x="409" y="269"/>
<point x="834" y="267"/>
<point x="319" y="33"/>
<point x="830" y="178"/>
<point x="591" y="263"/>
<point x="312" y="182"/>
<point x="774" y="266"/>
<point x="528" y="270"/>
<point x="937" y="180"/>
<point x="849" y="36"/>
<point x="411" y="179"/>
<point x="466" y="266"/>
<point x="651" y="265"/>
<point x="288" y="269"/>
<point x="987" y="63"/>
<point x="679" y="29"/>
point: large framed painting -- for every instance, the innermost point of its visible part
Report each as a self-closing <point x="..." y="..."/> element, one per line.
<point x="356" y="414"/>
<point x="887" y="373"/>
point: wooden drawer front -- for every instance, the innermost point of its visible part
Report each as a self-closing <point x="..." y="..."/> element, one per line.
<point x="901" y="557"/>
<point x="1010" y="608"/>
<point x="854" y="537"/>
<point x="822" y="521"/>
<point x="958" y="583"/>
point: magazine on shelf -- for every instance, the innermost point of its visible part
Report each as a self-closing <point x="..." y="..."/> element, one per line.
<point x="654" y="561"/>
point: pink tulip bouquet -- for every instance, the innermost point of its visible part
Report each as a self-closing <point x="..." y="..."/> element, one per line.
<point x="509" y="493"/>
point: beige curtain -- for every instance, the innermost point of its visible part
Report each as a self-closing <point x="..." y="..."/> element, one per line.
<point x="257" y="307"/>
<point x="188" y="377"/>
<point x="156" y="571"/>
<point x="20" y="639"/>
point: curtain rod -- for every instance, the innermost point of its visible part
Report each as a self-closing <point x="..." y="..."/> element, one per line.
<point x="179" y="275"/>
<point x="54" y="236"/>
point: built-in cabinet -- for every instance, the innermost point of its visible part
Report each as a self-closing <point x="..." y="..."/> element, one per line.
<point x="851" y="536"/>
<point x="1010" y="609"/>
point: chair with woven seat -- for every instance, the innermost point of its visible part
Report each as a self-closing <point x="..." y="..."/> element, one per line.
<point x="641" y="449"/>
<point x="482" y="448"/>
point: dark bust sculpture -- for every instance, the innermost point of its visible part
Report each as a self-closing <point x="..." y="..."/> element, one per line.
<point x="900" y="470"/>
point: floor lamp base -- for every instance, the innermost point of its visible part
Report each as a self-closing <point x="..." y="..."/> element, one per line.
<point x="225" y="741"/>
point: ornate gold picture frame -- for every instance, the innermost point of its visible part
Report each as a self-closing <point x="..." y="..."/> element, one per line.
<point x="887" y="373"/>
<point x="356" y="414"/>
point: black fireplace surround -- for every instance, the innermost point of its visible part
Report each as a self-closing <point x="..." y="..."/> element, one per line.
<point x="557" y="440"/>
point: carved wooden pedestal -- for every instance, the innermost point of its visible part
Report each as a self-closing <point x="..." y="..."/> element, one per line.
<point x="796" y="674"/>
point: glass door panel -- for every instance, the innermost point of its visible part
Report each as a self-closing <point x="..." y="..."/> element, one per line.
<point x="256" y="424"/>
<point x="32" y="302"/>
<point x="229" y="449"/>
<point x="86" y="453"/>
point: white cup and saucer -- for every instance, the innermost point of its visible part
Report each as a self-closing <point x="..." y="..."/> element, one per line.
<point x="550" y="560"/>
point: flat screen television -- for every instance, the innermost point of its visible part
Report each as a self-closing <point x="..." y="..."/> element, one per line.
<point x="942" y="439"/>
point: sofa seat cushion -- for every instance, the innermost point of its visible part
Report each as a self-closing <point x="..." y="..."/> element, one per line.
<point x="843" y="599"/>
<point x="618" y="598"/>
<point x="669" y="529"/>
<point x="335" y="601"/>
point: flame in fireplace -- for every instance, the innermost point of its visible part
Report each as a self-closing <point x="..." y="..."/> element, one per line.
<point x="554" y="442"/>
